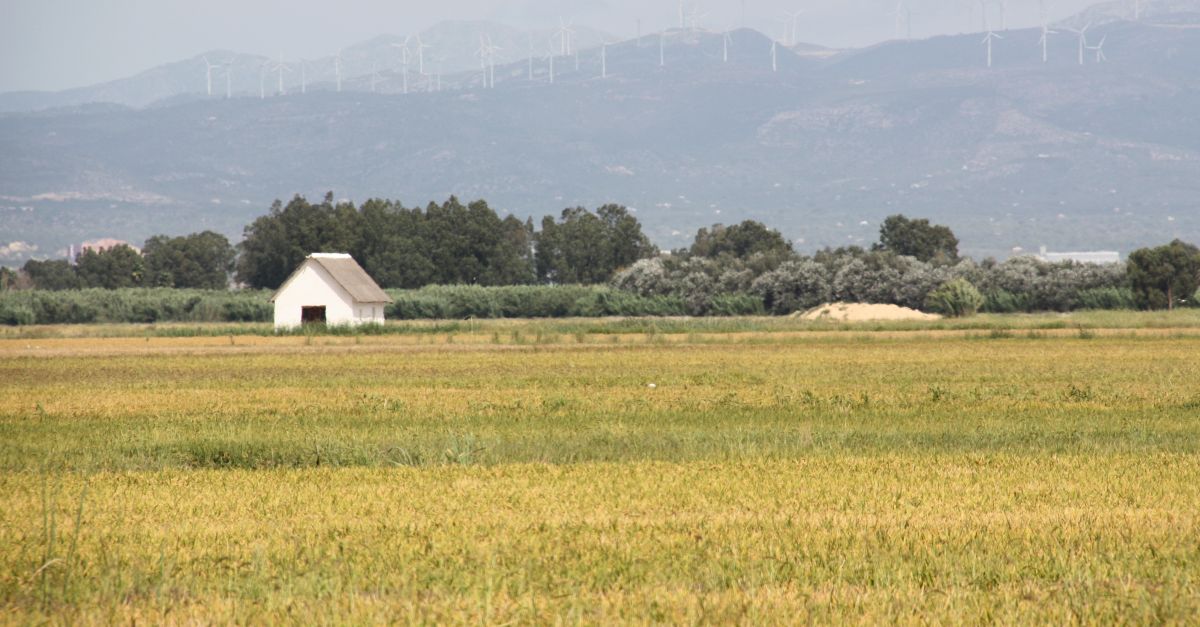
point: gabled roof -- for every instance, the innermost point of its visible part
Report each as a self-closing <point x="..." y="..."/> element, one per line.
<point x="347" y="273"/>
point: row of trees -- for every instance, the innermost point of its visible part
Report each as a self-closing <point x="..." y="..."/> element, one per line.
<point x="441" y="244"/>
<point x="200" y="261"/>
<point x="914" y="264"/>
<point x="878" y="276"/>
<point x="446" y="244"/>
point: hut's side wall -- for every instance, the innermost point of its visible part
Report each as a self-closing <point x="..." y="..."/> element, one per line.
<point x="370" y="313"/>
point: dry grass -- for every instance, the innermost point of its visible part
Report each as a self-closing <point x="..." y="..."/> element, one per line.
<point x="852" y="477"/>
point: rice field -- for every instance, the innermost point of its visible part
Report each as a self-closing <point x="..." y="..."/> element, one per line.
<point x="601" y="472"/>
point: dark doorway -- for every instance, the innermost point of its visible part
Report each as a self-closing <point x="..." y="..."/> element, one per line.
<point x="312" y="315"/>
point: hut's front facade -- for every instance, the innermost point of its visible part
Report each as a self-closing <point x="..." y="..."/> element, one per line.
<point x="329" y="288"/>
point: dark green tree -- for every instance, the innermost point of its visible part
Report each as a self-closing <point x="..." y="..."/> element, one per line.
<point x="276" y="243"/>
<point x="511" y="263"/>
<point x="625" y="236"/>
<point x="742" y="240"/>
<point x="200" y="260"/>
<point x="51" y="275"/>
<point x="1164" y="276"/>
<point x="586" y="248"/>
<point x="572" y="250"/>
<point x="111" y="268"/>
<point x="918" y="238"/>
<point x="392" y="245"/>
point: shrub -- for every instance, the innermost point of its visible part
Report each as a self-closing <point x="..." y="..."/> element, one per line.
<point x="955" y="299"/>
<point x="14" y="313"/>
<point x="1106" y="298"/>
<point x="647" y="277"/>
<point x="137" y="305"/>
<point x="1004" y="301"/>
<point x="736" y="305"/>
<point x="526" y="301"/>
<point x="794" y="286"/>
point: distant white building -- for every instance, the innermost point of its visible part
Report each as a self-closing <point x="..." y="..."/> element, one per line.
<point x="329" y="288"/>
<point x="1095" y="256"/>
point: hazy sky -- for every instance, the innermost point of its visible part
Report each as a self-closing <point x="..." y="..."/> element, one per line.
<point x="55" y="44"/>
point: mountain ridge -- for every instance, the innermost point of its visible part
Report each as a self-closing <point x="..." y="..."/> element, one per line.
<point x="1024" y="153"/>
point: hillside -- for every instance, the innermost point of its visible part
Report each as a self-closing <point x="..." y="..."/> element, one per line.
<point x="446" y="48"/>
<point x="1103" y="155"/>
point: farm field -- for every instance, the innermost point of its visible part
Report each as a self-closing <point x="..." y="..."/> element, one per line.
<point x="527" y="472"/>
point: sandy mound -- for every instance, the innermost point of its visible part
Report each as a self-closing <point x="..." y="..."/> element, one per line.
<point x="861" y="312"/>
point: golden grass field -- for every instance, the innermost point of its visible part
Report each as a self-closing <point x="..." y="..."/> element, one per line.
<point x="521" y="472"/>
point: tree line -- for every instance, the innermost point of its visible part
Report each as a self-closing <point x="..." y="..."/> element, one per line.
<point x="726" y="269"/>
<point x="197" y="261"/>
<point x="443" y="244"/>
<point x="401" y="247"/>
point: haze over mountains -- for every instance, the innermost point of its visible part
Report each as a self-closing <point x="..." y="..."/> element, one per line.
<point x="1103" y="155"/>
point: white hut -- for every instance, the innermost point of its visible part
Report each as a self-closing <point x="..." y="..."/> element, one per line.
<point x="329" y="288"/>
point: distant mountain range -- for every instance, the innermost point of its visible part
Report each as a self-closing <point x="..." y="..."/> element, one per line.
<point x="447" y="48"/>
<point x="689" y="129"/>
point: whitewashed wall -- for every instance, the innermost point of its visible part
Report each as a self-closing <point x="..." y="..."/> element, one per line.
<point x="370" y="313"/>
<point x="313" y="287"/>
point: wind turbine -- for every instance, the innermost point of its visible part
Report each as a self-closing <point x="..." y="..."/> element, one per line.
<point x="898" y="14"/>
<point x="208" y="68"/>
<point x="725" y="39"/>
<point x="987" y="41"/>
<point x="1137" y="10"/>
<point x="774" y="56"/>
<point x="564" y="34"/>
<point x="487" y="59"/>
<point x="1099" y="48"/>
<point x="421" y="47"/>
<point x="1045" y="41"/>
<point x="1082" y="32"/>
<point x="604" y="59"/>
<point x="262" y="84"/>
<point x="303" y="76"/>
<point x="491" y="52"/>
<point x="793" y="18"/>
<point x="282" y="67"/>
<point x="404" y="54"/>
<point x="337" y="69"/>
